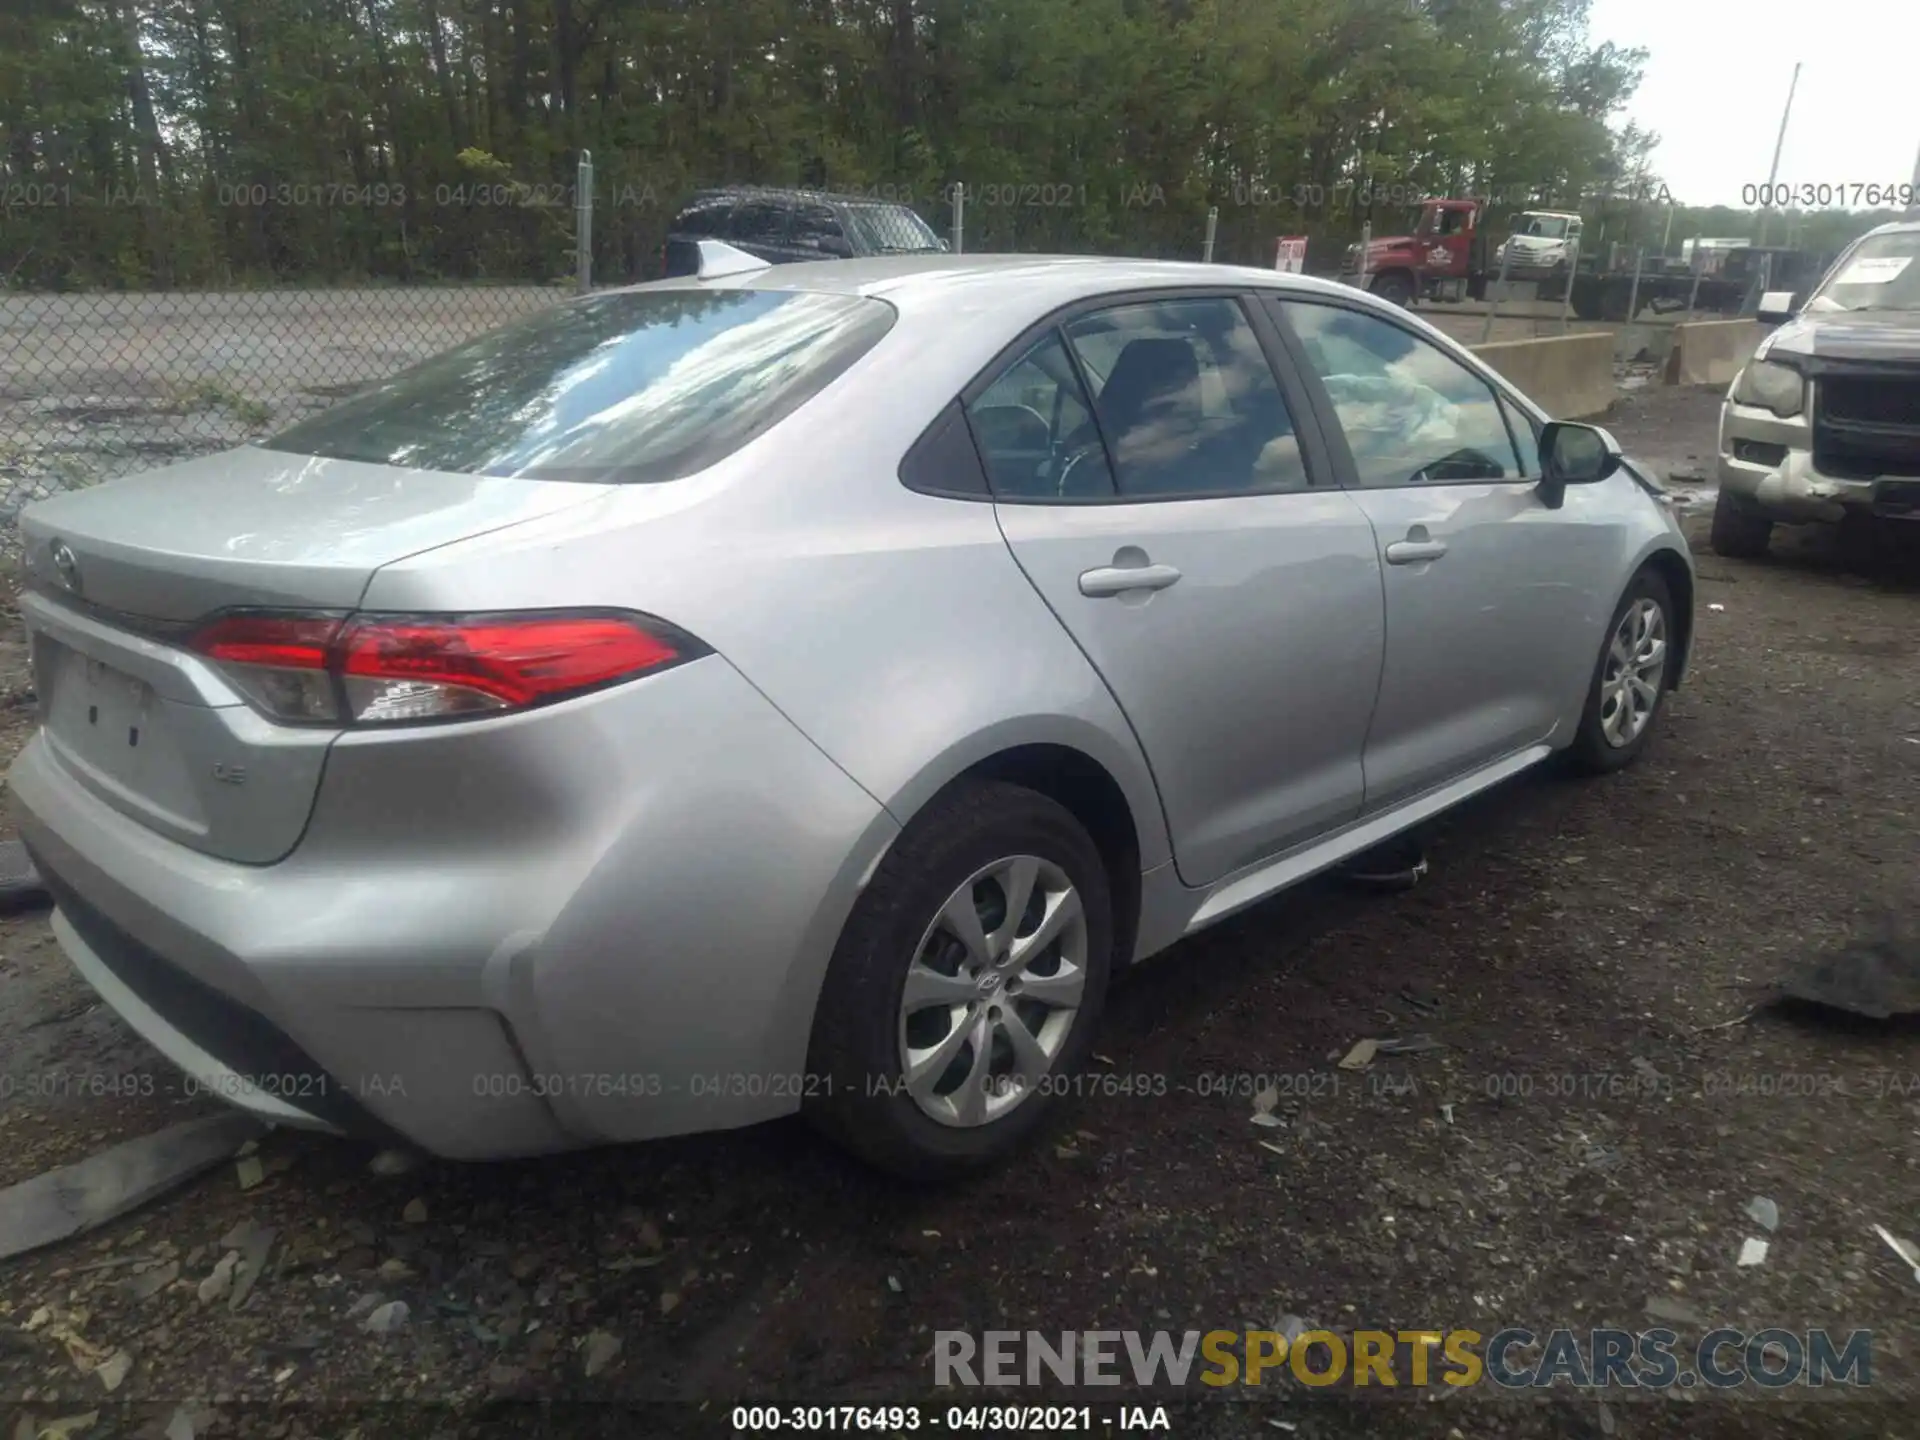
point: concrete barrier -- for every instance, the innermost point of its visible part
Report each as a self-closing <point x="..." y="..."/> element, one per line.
<point x="1568" y="376"/>
<point x="1711" y="352"/>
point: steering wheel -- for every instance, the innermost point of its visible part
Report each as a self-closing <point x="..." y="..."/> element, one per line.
<point x="1069" y="471"/>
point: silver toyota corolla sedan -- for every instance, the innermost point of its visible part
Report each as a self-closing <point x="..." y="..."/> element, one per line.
<point x="801" y="689"/>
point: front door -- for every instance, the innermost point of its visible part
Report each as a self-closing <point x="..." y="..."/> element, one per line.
<point x="1153" y="486"/>
<point x="1484" y="581"/>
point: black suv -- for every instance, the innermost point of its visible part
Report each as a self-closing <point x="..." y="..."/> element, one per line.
<point x="783" y="226"/>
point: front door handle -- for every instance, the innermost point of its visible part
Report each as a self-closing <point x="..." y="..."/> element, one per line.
<point x="1411" y="552"/>
<point x="1119" y="579"/>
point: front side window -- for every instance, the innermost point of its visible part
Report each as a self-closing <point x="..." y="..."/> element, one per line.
<point x="1187" y="402"/>
<point x="617" y="388"/>
<point x="1411" y="413"/>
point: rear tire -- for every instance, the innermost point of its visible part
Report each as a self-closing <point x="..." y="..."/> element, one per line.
<point x="1394" y="288"/>
<point x="1740" y="532"/>
<point x="1608" y="738"/>
<point x="962" y="844"/>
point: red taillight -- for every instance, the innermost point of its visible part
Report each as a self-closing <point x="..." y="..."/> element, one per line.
<point x="372" y="669"/>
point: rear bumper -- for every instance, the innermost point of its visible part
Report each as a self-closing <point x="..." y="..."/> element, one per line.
<point x="602" y="921"/>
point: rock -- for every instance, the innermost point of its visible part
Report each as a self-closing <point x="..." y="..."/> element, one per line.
<point x="114" y="1369"/>
<point x="256" y="1244"/>
<point x="394" y="1162"/>
<point x="525" y="1267"/>
<point x="180" y="1426"/>
<point x="150" y="1283"/>
<point x="365" y="1304"/>
<point x="358" y="1260"/>
<point x="1764" y="1213"/>
<point x="416" y="1212"/>
<point x="599" y="1352"/>
<point x="1674" y="1312"/>
<point x="219" y="1284"/>
<point x="394" y="1269"/>
<point x="249" y="1171"/>
<point x="386" y="1319"/>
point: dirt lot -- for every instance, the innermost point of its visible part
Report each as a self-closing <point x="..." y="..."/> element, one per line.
<point x="1587" y="1140"/>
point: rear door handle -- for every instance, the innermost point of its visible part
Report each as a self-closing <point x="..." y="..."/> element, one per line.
<point x="1119" y="579"/>
<point x="1410" y="552"/>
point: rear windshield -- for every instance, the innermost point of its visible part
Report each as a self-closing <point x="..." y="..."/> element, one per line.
<point x="622" y="388"/>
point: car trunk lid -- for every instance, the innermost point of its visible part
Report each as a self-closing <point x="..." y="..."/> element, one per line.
<point x="121" y="574"/>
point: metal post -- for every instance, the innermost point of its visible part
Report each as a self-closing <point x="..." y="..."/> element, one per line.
<point x="1493" y="301"/>
<point x="1573" y="274"/>
<point x="1693" y="292"/>
<point x="1213" y="225"/>
<point x="1779" y="141"/>
<point x="1667" y="235"/>
<point x="959" y="217"/>
<point x="583" y="224"/>
<point x="1366" y="245"/>
<point x="1633" y="295"/>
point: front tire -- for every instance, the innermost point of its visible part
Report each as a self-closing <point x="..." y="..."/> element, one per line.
<point x="966" y="987"/>
<point x="1630" y="680"/>
<point x="1740" y="532"/>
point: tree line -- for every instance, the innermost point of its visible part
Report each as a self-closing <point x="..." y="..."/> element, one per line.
<point x="199" y="142"/>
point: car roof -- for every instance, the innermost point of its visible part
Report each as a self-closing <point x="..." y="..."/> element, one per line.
<point x="785" y="193"/>
<point x="913" y="282"/>
<point x="1895" y="227"/>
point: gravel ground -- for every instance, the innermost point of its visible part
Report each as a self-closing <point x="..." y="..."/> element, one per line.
<point x="1586" y="1141"/>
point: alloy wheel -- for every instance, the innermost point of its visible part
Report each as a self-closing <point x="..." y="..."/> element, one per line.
<point x="993" y="991"/>
<point x="1636" y="668"/>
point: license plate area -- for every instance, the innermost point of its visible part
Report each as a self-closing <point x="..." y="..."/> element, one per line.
<point x="112" y="730"/>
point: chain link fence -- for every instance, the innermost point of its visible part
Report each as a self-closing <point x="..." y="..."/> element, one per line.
<point x="99" y="384"/>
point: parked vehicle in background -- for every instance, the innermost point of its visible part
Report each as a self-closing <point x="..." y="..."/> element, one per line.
<point x="1542" y="241"/>
<point x="1823" y="424"/>
<point x="1448" y="257"/>
<point x="802" y="688"/>
<point x="791" y="226"/>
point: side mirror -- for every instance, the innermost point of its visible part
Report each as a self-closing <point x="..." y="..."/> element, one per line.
<point x="835" y="246"/>
<point x="1776" y="307"/>
<point x="1574" y="454"/>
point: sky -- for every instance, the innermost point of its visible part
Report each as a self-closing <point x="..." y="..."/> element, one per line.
<point x="1717" y="77"/>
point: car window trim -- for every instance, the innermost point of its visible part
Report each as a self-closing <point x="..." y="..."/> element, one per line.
<point x="1349" y="472"/>
<point x="1315" y="458"/>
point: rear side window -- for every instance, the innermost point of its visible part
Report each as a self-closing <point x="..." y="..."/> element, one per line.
<point x="614" y="389"/>
<point x="1186" y="399"/>
<point x="760" y="222"/>
<point x="707" y="217"/>
<point x="891" y="230"/>
<point x="1036" y="430"/>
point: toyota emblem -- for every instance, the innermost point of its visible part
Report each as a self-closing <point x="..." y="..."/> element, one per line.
<point x="67" y="566"/>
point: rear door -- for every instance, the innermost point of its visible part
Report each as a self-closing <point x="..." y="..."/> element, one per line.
<point x="1488" y="639"/>
<point x="1156" y="483"/>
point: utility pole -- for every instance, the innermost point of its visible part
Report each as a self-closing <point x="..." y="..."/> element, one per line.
<point x="1913" y="210"/>
<point x="1781" y="140"/>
